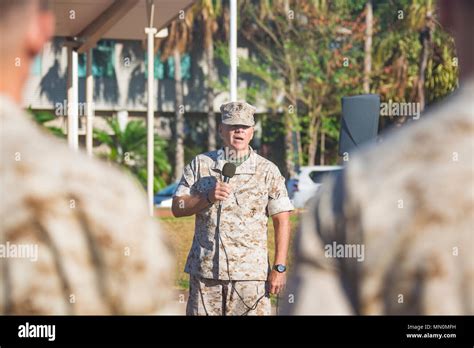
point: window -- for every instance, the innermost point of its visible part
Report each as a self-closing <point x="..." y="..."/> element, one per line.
<point x="36" y="66"/>
<point x="103" y="60"/>
<point x="168" y="66"/>
<point x="185" y="67"/>
<point x="159" y="67"/>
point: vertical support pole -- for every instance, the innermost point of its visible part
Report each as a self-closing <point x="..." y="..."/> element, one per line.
<point x="233" y="50"/>
<point x="150" y="32"/>
<point x="89" y="103"/>
<point x="72" y="98"/>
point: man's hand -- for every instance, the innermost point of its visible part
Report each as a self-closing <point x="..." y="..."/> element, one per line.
<point x="276" y="282"/>
<point x="281" y="223"/>
<point x="220" y="192"/>
<point x="188" y="205"/>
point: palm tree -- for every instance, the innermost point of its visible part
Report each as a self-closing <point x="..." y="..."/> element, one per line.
<point x="412" y="57"/>
<point x="128" y="149"/>
<point x="264" y="24"/>
<point x="43" y="117"/>
<point x="426" y="35"/>
<point x="174" y="45"/>
<point x="210" y="11"/>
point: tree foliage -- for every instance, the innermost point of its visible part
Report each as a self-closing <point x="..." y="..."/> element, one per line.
<point x="128" y="148"/>
<point x="42" y="118"/>
<point x="306" y="55"/>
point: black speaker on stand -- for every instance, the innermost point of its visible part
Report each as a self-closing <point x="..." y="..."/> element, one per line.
<point x="359" y="121"/>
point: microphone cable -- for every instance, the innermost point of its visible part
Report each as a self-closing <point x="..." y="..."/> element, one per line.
<point x="232" y="283"/>
<point x="249" y="308"/>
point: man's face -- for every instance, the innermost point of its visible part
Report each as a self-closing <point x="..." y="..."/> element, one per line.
<point x="21" y="42"/>
<point x="236" y="137"/>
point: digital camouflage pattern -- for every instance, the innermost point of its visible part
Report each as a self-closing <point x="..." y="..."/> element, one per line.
<point x="409" y="201"/>
<point x="238" y="113"/>
<point x="223" y="297"/>
<point x="258" y="191"/>
<point x="98" y="250"/>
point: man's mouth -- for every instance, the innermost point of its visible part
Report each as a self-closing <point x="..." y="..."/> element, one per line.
<point x="239" y="138"/>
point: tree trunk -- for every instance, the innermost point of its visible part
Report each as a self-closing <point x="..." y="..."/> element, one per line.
<point x="425" y="38"/>
<point x="313" y="140"/>
<point x="298" y="143"/>
<point x="368" y="46"/>
<point x="323" y="147"/>
<point x="297" y="160"/>
<point x="211" y="78"/>
<point x="289" y="149"/>
<point x="179" y="117"/>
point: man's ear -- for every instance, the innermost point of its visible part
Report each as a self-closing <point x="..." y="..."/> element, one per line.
<point x="253" y="132"/>
<point x="40" y="29"/>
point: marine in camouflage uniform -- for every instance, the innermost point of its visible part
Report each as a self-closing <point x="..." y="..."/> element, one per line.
<point x="98" y="251"/>
<point x="228" y="264"/>
<point x="410" y="203"/>
<point x="75" y="236"/>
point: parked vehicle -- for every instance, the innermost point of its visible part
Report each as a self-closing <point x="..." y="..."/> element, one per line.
<point x="307" y="183"/>
<point x="164" y="198"/>
<point x="292" y="186"/>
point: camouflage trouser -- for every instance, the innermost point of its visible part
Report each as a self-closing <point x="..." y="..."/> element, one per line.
<point x="223" y="297"/>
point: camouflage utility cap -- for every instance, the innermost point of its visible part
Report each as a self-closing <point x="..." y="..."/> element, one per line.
<point x="238" y="113"/>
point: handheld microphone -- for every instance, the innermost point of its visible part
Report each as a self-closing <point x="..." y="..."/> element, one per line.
<point x="228" y="171"/>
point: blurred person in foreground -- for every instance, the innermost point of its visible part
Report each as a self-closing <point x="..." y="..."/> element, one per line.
<point x="75" y="236"/>
<point x="408" y="205"/>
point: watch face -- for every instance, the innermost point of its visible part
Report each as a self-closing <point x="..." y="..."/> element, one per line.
<point x="281" y="268"/>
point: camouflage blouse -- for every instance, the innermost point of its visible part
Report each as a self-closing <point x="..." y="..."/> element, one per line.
<point x="258" y="191"/>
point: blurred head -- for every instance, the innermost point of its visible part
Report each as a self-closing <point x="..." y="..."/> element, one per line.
<point x="236" y="137"/>
<point x="25" y="26"/>
<point x="456" y="17"/>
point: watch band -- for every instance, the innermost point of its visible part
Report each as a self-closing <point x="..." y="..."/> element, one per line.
<point x="280" y="268"/>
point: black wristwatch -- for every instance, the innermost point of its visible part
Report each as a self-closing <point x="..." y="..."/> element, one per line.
<point x="279" y="268"/>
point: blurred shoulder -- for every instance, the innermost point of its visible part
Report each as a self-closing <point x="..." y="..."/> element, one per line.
<point x="39" y="167"/>
<point x="439" y="137"/>
<point x="85" y="207"/>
